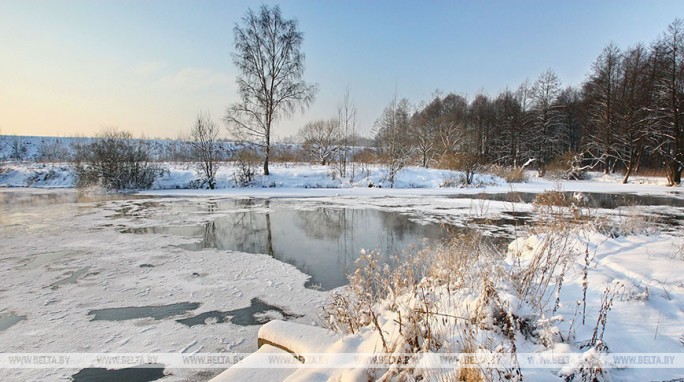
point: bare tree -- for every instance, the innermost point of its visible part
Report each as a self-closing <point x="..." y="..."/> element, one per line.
<point x="546" y="118"/>
<point x="392" y="136"/>
<point x="636" y="94"/>
<point x="451" y="122"/>
<point x="425" y="130"/>
<point x="480" y="118"/>
<point x="346" y="115"/>
<point x="601" y="94"/>
<point x="206" y="149"/>
<point x="507" y="143"/>
<point x="271" y="64"/>
<point x="321" y="140"/>
<point x="668" y="111"/>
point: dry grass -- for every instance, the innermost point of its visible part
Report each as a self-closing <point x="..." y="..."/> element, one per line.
<point x="553" y="198"/>
<point x="512" y="175"/>
<point x="421" y="294"/>
<point x="652" y="172"/>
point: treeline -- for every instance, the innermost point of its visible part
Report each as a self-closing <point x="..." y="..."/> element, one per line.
<point x="114" y="159"/>
<point x="627" y="115"/>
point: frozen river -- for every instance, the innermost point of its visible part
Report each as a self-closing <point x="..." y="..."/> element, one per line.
<point x="200" y="274"/>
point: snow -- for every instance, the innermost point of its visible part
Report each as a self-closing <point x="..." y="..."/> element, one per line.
<point x="297" y="338"/>
<point x="47" y="235"/>
<point x="646" y="317"/>
<point x="288" y="176"/>
<point x="245" y="371"/>
<point x="47" y="238"/>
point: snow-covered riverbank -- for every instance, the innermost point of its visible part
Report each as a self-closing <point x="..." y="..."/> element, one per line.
<point x="575" y="305"/>
<point x="298" y="176"/>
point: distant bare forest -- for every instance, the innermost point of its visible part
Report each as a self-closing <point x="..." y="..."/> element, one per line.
<point x="627" y="115"/>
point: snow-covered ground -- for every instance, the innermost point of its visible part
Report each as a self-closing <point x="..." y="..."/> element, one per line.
<point x="49" y="236"/>
<point x="63" y="254"/>
<point x="180" y="179"/>
<point x="304" y="176"/>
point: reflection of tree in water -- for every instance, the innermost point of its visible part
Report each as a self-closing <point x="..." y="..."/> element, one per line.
<point x="209" y="235"/>
<point x="323" y="223"/>
<point x="400" y="226"/>
<point x="211" y="207"/>
<point x="245" y="203"/>
<point x="241" y="231"/>
<point x="351" y="230"/>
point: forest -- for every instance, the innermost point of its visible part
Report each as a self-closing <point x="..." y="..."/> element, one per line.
<point x="625" y="117"/>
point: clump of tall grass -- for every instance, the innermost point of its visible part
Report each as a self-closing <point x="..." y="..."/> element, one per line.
<point x="511" y="174"/>
<point x="451" y="298"/>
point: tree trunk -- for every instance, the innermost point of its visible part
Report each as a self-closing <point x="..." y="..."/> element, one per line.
<point x="268" y="152"/>
<point x="630" y="168"/>
<point x="674" y="175"/>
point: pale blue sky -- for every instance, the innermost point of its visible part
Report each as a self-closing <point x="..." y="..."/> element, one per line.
<point x="73" y="67"/>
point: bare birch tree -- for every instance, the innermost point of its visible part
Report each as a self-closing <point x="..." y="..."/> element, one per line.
<point x="271" y="63"/>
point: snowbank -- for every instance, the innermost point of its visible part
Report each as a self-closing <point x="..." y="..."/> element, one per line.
<point x="37" y="175"/>
<point x="297" y="176"/>
<point x="607" y="298"/>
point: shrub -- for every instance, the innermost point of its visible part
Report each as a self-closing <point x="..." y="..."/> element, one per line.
<point x="246" y="164"/>
<point x="115" y="161"/>
<point x="468" y="163"/>
<point x="512" y="175"/>
<point x="570" y="166"/>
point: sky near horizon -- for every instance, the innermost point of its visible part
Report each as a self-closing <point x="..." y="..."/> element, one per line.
<point x="74" y="67"/>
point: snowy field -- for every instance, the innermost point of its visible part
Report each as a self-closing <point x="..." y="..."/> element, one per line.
<point x="67" y="256"/>
<point x="184" y="176"/>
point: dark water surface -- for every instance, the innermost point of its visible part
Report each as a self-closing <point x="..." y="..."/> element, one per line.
<point x="592" y="199"/>
<point x="157" y="312"/>
<point x="322" y="242"/>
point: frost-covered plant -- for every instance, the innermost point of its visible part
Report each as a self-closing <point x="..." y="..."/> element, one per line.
<point x="539" y="276"/>
<point x="678" y="249"/>
<point x="557" y="210"/>
<point x="589" y="368"/>
<point x="607" y="298"/>
<point x="42" y="176"/>
<point x="350" y="310"/>
<point x="427" y="301"/>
